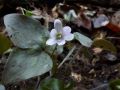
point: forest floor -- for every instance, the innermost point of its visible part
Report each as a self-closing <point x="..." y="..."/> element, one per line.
<point x="88" y="73"/>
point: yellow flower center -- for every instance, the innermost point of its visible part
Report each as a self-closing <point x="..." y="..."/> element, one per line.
<point x="58" y="36"/>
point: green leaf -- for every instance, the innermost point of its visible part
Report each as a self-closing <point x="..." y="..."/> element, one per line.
<point x="24" y="64"/>
<point x="105" y="44"/>
<point x="25" y="32"/>
<point x="84" y="40"/>
<point x="115" y="84"/>
<point x="54" y="84"/>
<point x="28" y="13"/>
<point x="2" y="87"/>
<point x="5" y="43"/>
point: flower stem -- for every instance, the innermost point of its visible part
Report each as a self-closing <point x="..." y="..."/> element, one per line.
<point x="53" y="71"/>
<point x="54" y="50"/>
<point x="38" y="83"/>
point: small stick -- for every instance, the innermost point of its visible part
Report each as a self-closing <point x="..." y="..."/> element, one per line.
<point x="113" y="37"/>
<point x="38" y="83"/>
<point x="65" y="59"/>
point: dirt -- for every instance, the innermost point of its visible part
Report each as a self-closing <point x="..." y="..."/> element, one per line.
<point x="88" y="76"/>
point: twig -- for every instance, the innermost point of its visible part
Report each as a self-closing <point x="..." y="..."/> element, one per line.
<point x="65" y="59"/>
<point x="38" y="83"/>
<point x="113" y="37"/>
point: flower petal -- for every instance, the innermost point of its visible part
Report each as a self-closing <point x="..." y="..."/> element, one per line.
<point x="61" y="42"/>
<point x="51" y="41"/>
<point x="69" y="37"/>
<point x="104" y="23"/>
<point x="58" y="25"/>
<point x="53" y="33"/>
<point x="66" y="30"/>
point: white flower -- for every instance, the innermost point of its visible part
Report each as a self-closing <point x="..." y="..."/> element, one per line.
<point x="59" y="35"/>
